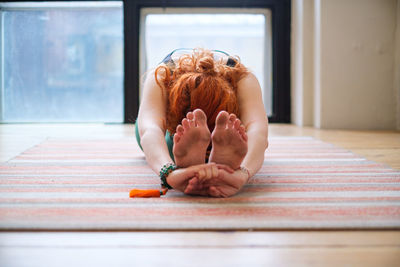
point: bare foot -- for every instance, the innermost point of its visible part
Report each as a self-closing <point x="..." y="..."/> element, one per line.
<point x="191" y="139"/>
<point x="229" y="141"/>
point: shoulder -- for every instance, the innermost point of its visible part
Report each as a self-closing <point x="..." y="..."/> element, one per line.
<point x="248" y="83"/>
<point x="249" y="92"/>
<point x="153" y="85"/>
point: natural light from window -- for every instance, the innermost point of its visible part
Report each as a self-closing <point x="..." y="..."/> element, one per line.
<point x="62" y="63"/>
<point x="242" y="32"/>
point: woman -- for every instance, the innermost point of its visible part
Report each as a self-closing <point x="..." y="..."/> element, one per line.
<point x="212" y="106"/>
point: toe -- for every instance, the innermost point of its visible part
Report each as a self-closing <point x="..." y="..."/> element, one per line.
<point x="232" y="118"/>
<point x="244" y="136"/>
<point x="192" y="123"/>
<point x="190" y="118"/>
<point x="179" y="129"/>
<point x="242" y="132"/>
<point x="190" y="115"/>
<point x="236" y="124"/>
<point x="185" y="123"/>
<point x="222" y="120"/>
<point x="200" y="117"/>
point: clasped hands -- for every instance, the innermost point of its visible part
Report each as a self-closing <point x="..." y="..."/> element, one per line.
<point x="211" y="179"/>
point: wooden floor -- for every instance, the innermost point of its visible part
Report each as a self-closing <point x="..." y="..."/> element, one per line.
<point x="263" y="248"/>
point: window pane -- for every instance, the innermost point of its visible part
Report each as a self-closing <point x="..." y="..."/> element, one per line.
<point x="63" y="64"/>
<point x="246" y="35"/>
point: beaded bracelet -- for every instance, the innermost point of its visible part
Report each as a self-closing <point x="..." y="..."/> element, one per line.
<point x="164" y="172"/>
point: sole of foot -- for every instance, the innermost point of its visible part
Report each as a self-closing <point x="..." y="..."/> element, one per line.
<point x="191" y="139"/>
<point x="229" y="141"/>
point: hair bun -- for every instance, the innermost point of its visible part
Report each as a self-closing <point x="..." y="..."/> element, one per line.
<point x="205" y="65"/>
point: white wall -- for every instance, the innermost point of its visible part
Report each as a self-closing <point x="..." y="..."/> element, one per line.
<point x="343" y="61"/>
<point x="302" y="63"/>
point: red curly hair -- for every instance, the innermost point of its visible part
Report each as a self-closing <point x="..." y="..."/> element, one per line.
<point x="199" y="81"/>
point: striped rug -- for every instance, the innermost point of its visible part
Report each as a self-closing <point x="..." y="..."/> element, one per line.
<point x="304" y="184"/>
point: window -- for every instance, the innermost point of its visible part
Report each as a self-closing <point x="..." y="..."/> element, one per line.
<point x="79" y="61"/>
<point x="242" y="32"/>
<point x="277" y="77"/>
<point x="62" y="62"/>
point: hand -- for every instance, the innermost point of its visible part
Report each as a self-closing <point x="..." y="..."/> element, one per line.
<point x="224" y="185"/>
<point x="180" y="178"/>
<point x="228" y="184"/>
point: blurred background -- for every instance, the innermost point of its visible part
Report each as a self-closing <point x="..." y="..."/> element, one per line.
<point x="245" y="33"/>
<point x="64" y="61"/>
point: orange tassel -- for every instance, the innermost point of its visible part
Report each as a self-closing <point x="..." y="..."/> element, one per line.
<point x="147" y="192"/>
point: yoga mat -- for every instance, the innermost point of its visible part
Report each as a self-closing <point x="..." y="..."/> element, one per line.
<point x="303" y="184"/>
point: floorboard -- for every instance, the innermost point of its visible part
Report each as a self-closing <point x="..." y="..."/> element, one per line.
<point x="329" y="248"/>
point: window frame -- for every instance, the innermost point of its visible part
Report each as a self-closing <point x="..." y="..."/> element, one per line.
<point x="281" y="23"/>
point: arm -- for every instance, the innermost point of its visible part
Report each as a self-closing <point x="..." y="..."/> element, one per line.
<point x="255" y="120"/>
<point x="152" y="121"/>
